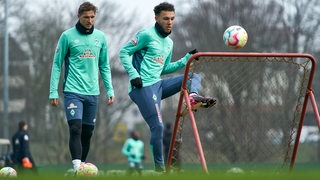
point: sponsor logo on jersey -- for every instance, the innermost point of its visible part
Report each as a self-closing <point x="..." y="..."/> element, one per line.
<point x="158" y="59"/>
<point x="87" y="54"/>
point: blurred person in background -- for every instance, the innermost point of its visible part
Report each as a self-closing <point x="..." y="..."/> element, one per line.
<point x="133" y="149"/>
<point x="21" y="155"/>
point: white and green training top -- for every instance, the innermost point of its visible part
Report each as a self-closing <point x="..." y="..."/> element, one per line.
<point x="148" y="55"/>
<point x="84" y="56"/>
<point x="133" y="149"/>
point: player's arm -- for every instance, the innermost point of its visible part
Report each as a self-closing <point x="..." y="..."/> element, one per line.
<point x="126" y="148"/>
<point x="59" y="56"/>
<point x="170" y="67"/>
<point x="138" y="42"/>
<point x="105" y="71"/>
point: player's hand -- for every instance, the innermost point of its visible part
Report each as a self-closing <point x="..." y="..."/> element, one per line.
<point x="26" y="163"/>
<point x="110" y="100"/>
<point x="54" y="102"/>
<point x="133" y="156"/>
<point x="136" y="82"/>
<point x="194" y="52"/>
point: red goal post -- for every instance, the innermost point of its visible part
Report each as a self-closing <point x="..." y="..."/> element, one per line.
<point x="261" y="104"/>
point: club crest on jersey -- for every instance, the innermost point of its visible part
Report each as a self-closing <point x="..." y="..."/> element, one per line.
<point x="87" y="54"/>
<point x="96" y="41"/>
<point x="135" y="40"/>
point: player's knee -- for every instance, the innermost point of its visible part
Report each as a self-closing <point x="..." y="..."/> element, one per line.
<point x="196" y="77"/>
<point x="87" y="130"/>
<point x="75" y="127"/>
<point x="158" y="131"/>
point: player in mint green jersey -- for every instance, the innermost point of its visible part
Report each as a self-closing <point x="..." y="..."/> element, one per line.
<point x="145" y="58"/>
<point x="133" y="149"/>
<point x="83" y="51"/>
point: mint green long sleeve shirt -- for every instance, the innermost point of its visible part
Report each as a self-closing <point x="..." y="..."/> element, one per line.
<point x="133" y="149"/>
<point x="148" y="55"/>
<point x="84" y="56"/>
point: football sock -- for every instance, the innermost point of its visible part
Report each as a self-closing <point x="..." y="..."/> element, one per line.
<point x="75" y="139"/>
<point x="76" y="163"/>
<point x="87" y="131"/>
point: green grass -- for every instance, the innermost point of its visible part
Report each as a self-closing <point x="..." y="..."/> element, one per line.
<point x="301" y="174"/>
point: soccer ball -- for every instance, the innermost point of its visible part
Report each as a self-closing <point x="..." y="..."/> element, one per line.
<point x="87" y="169"/>
<point x="235" y="37"/>
<point x="235" y="170"/>
<point x="8" y="172"/>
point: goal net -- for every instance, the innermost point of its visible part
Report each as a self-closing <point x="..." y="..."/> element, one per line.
<point x="257" y="121"/>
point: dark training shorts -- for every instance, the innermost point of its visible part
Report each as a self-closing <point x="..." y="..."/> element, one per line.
<point x="82" y="107"/>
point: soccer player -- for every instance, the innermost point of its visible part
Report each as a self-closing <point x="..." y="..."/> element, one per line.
<point x="21" y="155"/>
<point x="83" y="51"/>
<point x="145" y="58"/>
<point x="133" y="148"/>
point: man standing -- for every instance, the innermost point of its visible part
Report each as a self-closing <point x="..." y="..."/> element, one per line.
<point x="83" y="51"/>
<point x="21" y="155"/>
<point x="145" y="58"/>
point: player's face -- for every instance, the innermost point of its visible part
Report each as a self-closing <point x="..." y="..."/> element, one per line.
<point x="87" y="19"/>
<point x="165" y="19"/>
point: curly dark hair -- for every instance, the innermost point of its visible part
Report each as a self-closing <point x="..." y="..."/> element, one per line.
<point x="165" y="6"/>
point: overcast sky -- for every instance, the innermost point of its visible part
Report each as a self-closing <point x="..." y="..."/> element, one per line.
<point x="143" y="7"/>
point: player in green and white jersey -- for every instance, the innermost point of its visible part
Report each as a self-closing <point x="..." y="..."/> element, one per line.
<point x="83" y="51"/>
<point x="145" y="58"/>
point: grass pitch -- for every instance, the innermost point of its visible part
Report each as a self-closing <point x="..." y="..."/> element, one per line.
<point x="313" y="174"/>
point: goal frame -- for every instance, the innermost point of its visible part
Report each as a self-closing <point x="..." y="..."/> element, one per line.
<point x="184" y="96"/>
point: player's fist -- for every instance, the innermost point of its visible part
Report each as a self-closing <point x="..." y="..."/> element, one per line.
<point x="136" y="82"/>
<point x="194" y="52"/>
<point x="26" y="163"/>
<point x="54" y="102"/>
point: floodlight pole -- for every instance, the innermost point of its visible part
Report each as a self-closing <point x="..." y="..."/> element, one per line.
<point x="5" y="73"/>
